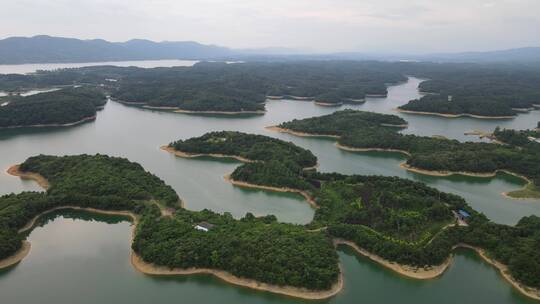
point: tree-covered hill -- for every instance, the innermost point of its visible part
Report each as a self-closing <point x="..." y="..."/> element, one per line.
<point x="61" y="107"/>
<point x="341" y="122"/>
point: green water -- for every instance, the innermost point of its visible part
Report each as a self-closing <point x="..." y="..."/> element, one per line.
<point x="87" y="261"/>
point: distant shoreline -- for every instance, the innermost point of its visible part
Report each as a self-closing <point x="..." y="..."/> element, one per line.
<point x="179" y="110"/>
<point x="302" y="134"/>
<point x="453" y="115"/>
<point x="90" y="118"/>
<point x="353" y="149"/>
<point x="328" y="104"/>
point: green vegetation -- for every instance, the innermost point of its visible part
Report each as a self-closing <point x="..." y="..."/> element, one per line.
<point x="278" y="163"/>
<point x="249" y="146"/>
<point x="256" y="248"/>
<point x="341" y="122"/>
<point x="213" y="86"/>
<point x="92" y="178"/>
<point x="60" y="107"/>
<point x="97" y="181"/>
<point x="397" y="219"/>
<point x="253" y="248"/>
<point x="521" y="155"/>
<point x="485" y="90"/>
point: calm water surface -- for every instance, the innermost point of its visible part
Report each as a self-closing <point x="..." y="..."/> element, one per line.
<point x="88" y="259"/>
<point x="33" y="67"/>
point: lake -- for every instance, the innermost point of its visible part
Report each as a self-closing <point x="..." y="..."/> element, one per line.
<point x="33" y="67"/>
<point x="88" y="256"/>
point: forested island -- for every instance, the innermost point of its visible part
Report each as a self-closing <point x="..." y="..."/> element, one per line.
<point x="213" y="87"/>
<point x="430" y="155"/>
<point x="482" y="91"/>
<point x="404" y="225"/>
<point x="63" y="107"/>
<point x="478" y="90"/>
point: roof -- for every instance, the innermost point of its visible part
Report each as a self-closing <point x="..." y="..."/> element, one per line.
<point x="206" y="225"/>
<point x="463" y="213"/>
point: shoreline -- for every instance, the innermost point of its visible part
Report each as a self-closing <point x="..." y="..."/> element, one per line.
<point x="504" y="272"/>
<point x="452" y="115"/>
<point x="306" y="195"/>
<point x="352" y="149"/>
<point x="179" y="110"/>
<point x="408" y="271"/>
<point x="327" y="104"/>
<point x="302" y="134"/>
<point x="436" y="271"/>
<point x="151" y="269"/>
<point x="40" y="180"/>
<point x="191" y="155"/>
<point x="507" y="194"/>
<point x="296" y="292"/>
<point x="17" y="257"/>
<point x="257" y="112"/>
<point x="70" y="124"/>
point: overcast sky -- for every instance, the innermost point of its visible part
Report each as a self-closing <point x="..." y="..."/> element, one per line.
<point x="394" y="26"/>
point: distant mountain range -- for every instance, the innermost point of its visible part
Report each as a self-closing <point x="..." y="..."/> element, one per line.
<point x="47" y="49"/>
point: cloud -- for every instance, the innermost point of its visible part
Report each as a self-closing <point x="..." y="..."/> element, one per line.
<point x="325" y="25"/>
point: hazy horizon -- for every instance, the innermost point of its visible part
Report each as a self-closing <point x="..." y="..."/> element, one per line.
<point x="383" y="26"/>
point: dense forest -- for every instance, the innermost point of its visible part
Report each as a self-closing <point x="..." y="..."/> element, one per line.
<point x="341" y="122"/>
<point x="405" y="221"/>
<point x="478" y="89"/>
<point x="256" y="248"/>
<point x="249" y="146"/>
<point x="59" y="107"/>
<point x="214" y="86"/>
<point x="400" y="220"/>
<point x="97" y="181"/>
<point x="278" y="163"/>
<point x="520" y="155"/>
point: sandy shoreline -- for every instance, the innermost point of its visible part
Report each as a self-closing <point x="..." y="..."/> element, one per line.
<point x="151" y="269"/>
<point x="377" y="95"/>
<point x="435" y="271"/>
<point x="15" y="171"/>
<point x="453" y="115"/>
<point x="306" y="195"/>
<point x="473" y="174"/>
<point x="259" y="112"/>
<point x="352" y="149"/>
<point x="503" y="270"/>
<point x="302" y="134"/>
<point x="430" y="272"/>
<point x="328" y="104"/>
<point x="190" y="155"/>
<point x="90" y="118"/>
<point x="17" y="256"/>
